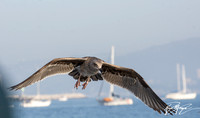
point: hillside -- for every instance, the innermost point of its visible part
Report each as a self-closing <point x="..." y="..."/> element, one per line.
<point x="158" y="64"/>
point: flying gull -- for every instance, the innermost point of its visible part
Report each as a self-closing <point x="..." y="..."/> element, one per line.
<point x="91" y="68"/>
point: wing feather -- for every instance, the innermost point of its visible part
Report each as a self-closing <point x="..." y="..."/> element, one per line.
<point x="56" y="66"/>
<point x="131" y="80"/>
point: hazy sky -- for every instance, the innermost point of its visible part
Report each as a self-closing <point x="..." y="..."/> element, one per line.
<point x="32" y="32"/>
<point x="39" y="28"/>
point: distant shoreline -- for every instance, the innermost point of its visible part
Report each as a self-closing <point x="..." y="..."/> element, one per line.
<point x="47" y="96"/>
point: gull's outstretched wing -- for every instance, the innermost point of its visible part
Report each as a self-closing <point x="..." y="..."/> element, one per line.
<point x="56" y="66"/>
<point x="131" y="80"/>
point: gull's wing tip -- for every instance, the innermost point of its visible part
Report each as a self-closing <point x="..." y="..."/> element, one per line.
<point x="15" y="88"/>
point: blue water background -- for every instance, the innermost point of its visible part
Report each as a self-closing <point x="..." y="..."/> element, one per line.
<point x="90" y="108"/>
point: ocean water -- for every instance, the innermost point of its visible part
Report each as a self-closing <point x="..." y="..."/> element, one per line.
<point x="90" y="108"/>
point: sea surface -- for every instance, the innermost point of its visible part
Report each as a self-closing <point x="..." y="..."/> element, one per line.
<point x="90" y="108"/>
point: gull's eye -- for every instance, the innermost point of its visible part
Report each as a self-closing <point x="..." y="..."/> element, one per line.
<point x="95" y="65"/>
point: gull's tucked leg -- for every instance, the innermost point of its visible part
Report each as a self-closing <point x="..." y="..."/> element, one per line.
<point x="86" y="83"/>
<point x="77" y="83"/>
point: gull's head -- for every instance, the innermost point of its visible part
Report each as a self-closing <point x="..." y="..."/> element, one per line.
<point x="97" y="63"/>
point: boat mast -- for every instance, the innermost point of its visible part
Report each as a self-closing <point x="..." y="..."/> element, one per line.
<point x="184" y="79"/>
<point x="178" y="77"/>
<point x="22" y="94"/>
<point x="38" y="88"/>
<point x="112" y="62"/>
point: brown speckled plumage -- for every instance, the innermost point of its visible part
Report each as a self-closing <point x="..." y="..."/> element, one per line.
<point x="96" y="69"/>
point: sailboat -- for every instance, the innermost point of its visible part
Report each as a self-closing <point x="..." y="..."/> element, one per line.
<point x="114" y="99"/>
<point x="181" y="94"/>
<point x="36" y="102"/>
<point x="63" y="99"/>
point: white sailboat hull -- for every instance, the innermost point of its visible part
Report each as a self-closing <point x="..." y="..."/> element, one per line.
<point x="63" y="99"/>
<point x="116" y="102"/>
<point x="112" y="100"/>
<point x="181" y="96"/>
<point x="36" y="103"/>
